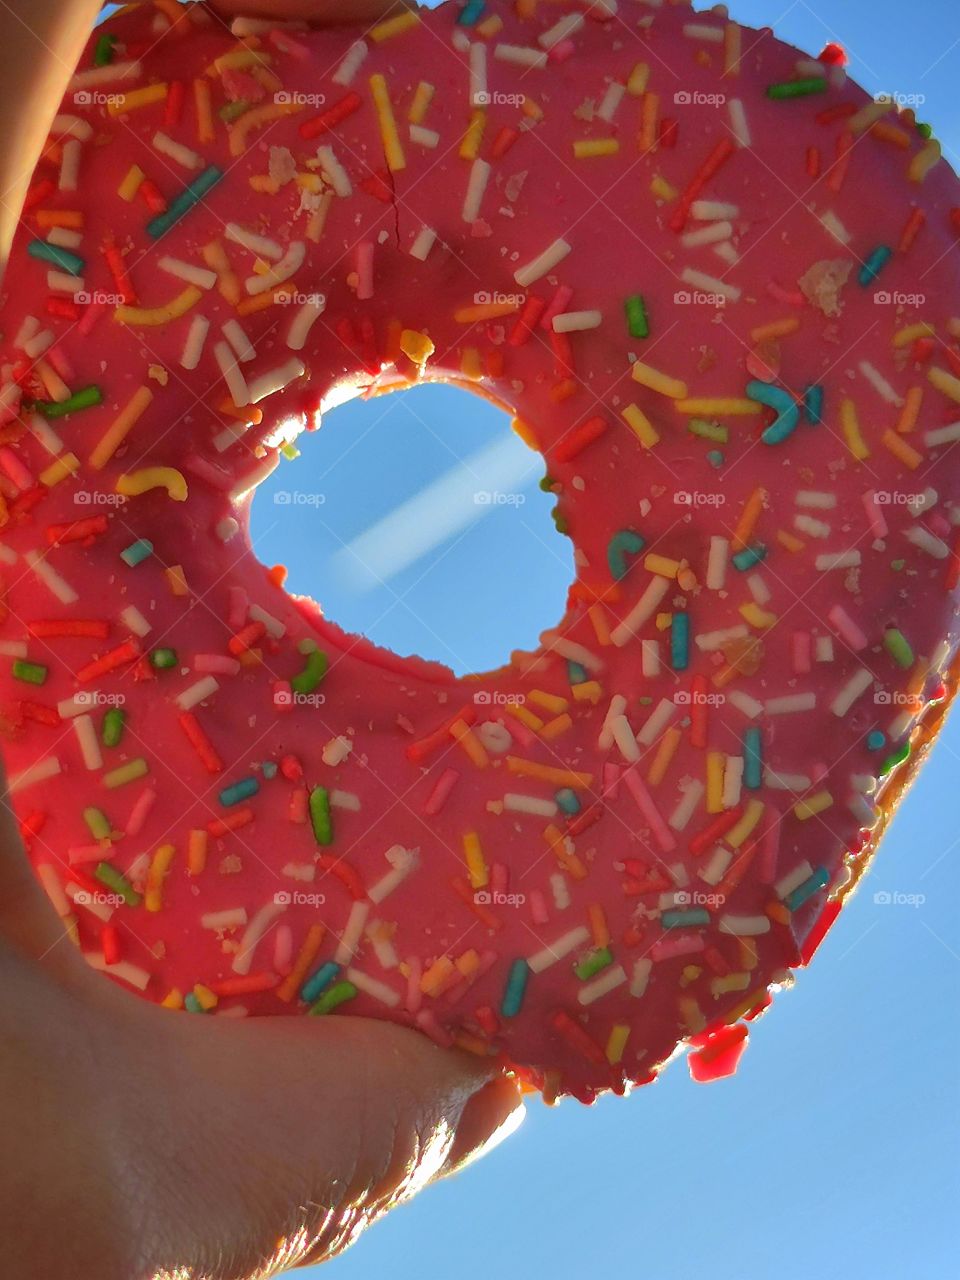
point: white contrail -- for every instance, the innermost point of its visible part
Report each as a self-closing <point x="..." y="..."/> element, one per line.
<point x="446" y="507"/>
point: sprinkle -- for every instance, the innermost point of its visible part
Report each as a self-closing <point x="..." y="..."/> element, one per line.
<point x="255" y="930"/>
<point x="662" y="383"/>
<point x="819" y="880"/>
<point x="137" y="552"/>
<point x="874" y="264"/>
<point x="641" y="425"/>
<point x="476" y="186"/>
<point x="191" y="195"/>
<point x="515" y="989"/>
<point x="541" y="265"/>
<point x="188" y="698"/>
<point x="118" y="882"/>
<point x="796" y="88"/>
<point x="393" y="151"/>
<point x="125" y="773"/>
<point x="135" y="483"/>
<point x="642" y="611"/>
<point x="83" y="399"/>
<point x="622" y="544"/>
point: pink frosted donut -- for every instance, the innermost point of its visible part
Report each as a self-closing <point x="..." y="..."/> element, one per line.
<point x="712" y="280"/>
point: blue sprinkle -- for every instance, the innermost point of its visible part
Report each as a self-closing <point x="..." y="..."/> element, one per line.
<point x="749" y="556"/>
<point x="813" y="404"/>
<point x="785" y="405"/>
<point x="241" y="790"/>
<point x="806" y="890"/>
<point x="752" y="760"/>
<point x="567" y="800"/>
<point x="470" y="13"/>
<point x="192" y="194"/>
<point x="57" y="257"/>
<point x="695" y="919"/>
<point x="268" y="769"/>
<point x="876" y="740"/>
<point x="875" y="264"/>
<point x="622" y="544"/>
<point x="192" y="1004"/>
<point x="715" y="458"/>
<point x="576" y="674"/>
<point x="680" y="642"/>
<point x="315" y="985"/>
<point x="515" y="989"/>
<point x="137" y="552"/>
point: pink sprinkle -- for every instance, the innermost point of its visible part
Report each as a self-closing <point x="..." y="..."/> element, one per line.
<point x="526" y="737"/>
<point x="216" y="664"/>
<point x="561" y="51"/>
<point x="237" y="609"/>
<point x="365" y="270"/>
<point x="801" y="652"/>
<point x="939" y="525"/>
<point x="414" y="996"/>
<point x="81" y="853"/>
<point x="141" y="807"/>
<point x="298" y="805"/>
<point x="663" y="834"/>
<point x="538" y="907"/>
<point x="91" y="315"/>
<point x="770" y="847"/>
<point x="684" y="944"/>
<point x="846" y="628"/>
<point x="499" y="877"/>
<point x="875" y="517"/>
<point x="438" y="796"/>
<point x="283" y="42"/>
<point x="58" y="358"/>
<point x="611" y="781"/>
<point x="206" y="471"/>
<point x="15" y="469"/>
<point x="283" y="949"/>
<point x="560" y="301"/>
<point x="792" y="297"/>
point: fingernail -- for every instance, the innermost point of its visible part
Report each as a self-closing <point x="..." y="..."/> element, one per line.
<point x="490" y="1116"/>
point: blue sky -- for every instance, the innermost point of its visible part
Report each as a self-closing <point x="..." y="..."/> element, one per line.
<point x="835" y="1151"/>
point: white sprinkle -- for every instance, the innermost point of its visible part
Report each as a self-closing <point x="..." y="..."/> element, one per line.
<point x="657" y="721"/>
<point x="835" y="227"/>
<point x="758" y="589"/>
<point x="334" y="171"/>
<point x="130" y="973"/>
<point x="350" y="65"/>
<point x="710" y="284"/>
<point x="842" y="560"/>
<point x="38" y="343"/>
<point x="719" y="861"/>
<point x="93" y="77"/>
<point x="855" y="687"/>
<point x="739" y="123"/>
<point x="699" y="31"/>
<point x="336" y="751"/>
<point x="476" y="186"/>
<point x="70" y="165"/>
<point x="275" y="628"/>
<point x="790" y="704"/>
<point x="533" y="805"/>
<point x="478" y="74"/>
<point x="266" y="384"/>
<point x="198" y="276"/>
<point x="650" y="664"/>
<point x="925" y="541"/>
<point x="608" y="981"/>
<point x="618" y="704"/>
<point x="177" y="151"/>
<point x="640" y="977"/>
<point x="60" y="282"/>
<point x="236" y="382"/>
<point x="880" y="383"/>
<point x="423" y="242"/>
<point x="371" y="987"/>
<point x="424" y="137"/>
<point x="642" y="611"/>
<point x="624" y="739"/>
<point x="793" y="880"/>
<point x="748" y="706"/>
<point x="711" y="641"/>
<point x="824" y="648"/>
<point x="71" y="126"/>
<point x="814" y="498"/>
<point x="87" y="738"/>
<point x="687" y="805"/>
<point x="558" y="950"/>
<point x="260" y="246"/>
<point x="570" y="650"/>
<point x="744" y="926"/>
<point x="345" y="800"/>
<point x="134" y="621"/>
<point x="230" y="918"/>
<point x="709" y="234"/>
<point x="777" y="781"/>
<point x="195" y="693"/>
<point x="566" y="27"/>
<point x="13" y="648"/>
<point x="539" y="266"/>
<point x="717" y="563"/>
<point x="193" y="346"/>
<point x="64" y="238"/>
<point x="711" y="210"/>
<point x="235" y="334"/>
<point x="353" y="929"/>
<point x="255" y="930"/>
<point x="304" y="319"/>
<point x="57" y="586"/>
<point x="577" y="321"/>
<point x="403" y="863"/>
<point x="40" y="771"/>
<point x="942" y="435"/>
<point x="815" y="528"/>
<point x="611" y="101"/>
<point x="561" y="894"/>
<point x="291" y="261"/>
<point x="919" y="503"/>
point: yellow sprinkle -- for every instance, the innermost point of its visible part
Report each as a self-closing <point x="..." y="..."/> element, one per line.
<point x="237" y="133"/>
<point x="464" y="735"/>
<point x="394" y="26"/>
<point x="520" y="712"/>
<point x="924" y="161"/>
<point x="850" y="425"/>
<point x="719" y="408"/>
<point x="172" y="1000"/>
<point x="204" y="997"/>
<point x="775" y="329"/>
<point x="136" y="98"/>
<point x="558" y="777"/>
<point x="177" y="579"/>
<point x="862" y="120"/>
<point x="238" y="60"/>
<point x="126" y="773"/>
<point x="637" y="82"/>
<point x="439" y="972"/>
<point x="392" y="149"/>
<point x="751" y="816"/>
<point x="470" y="146"/>
<point x="716" y="766"/>
<point x="640" y="425"/>
<point x="906" y="337"/>
<point x="665" y="753"/>
<point x="421" y="102"/>
<point x="196" y="851"/>
<point x="129" y="187"/>
<point x="468" y="963"/>
<point x="153" y="316"/>
<point x="588" y="691"/>
<point x="490" y="26"/>
<point x="692" y="1014"/>
<point x="662" y="189"/>
<point x="663" y="566"/>
<point x="551" y="702"/>
<point x="416" y="346"/>
<point x="159" y="866"/>
<point x="471" y="366"/>
<point x="732" y="982"/>
<point x="789" y="541"/>
<point x="945" y="382"/>
<point x="482" y="311"/>
<point x="132" y="484"/>
<point x="910" y="414"/>
<point x="617" y="1042"/>
<point x="476" y="866"/>
<point x="813" y="805"/>
<point x="587" y="148"/>
<point x="664" y="621"/>
<point x="901" y="450"/>
<point x="762" y="619"/>
<point x="557" y="726"/>
<point x="119" y="429"/>
<point x="662" y="383"/>
<point x="59" y="469"/>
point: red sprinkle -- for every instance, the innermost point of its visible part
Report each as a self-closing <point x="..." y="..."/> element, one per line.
<point x="246" y="985"/>
<point x="200" y="743"/>
<point x="110" y="939"/>
<point x="231" y="821"/>
<point x="333" y="116"/>
<point x="710" y="167"/>
<point x="575" y="443"/>
<point x="129" y="651"/>
<point x="718" y="828"/>
<point x="527" y="320"/>
<point x="173" y="105"/>
<point x="915" y="224"/>
<point x="50" y="628"/>
<point x="503" y="141"/>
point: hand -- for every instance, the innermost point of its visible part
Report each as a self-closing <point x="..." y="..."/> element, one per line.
<point x="143" y="1143"/>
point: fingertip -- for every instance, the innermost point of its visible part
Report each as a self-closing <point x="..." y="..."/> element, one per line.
<point x="490" y="1116"/>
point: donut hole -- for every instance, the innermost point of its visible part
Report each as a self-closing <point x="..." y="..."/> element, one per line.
<point x="417" y="519"/>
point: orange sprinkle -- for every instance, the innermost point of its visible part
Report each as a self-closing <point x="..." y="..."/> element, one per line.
<point x="901" y="450"/>
<point x="776" y="329"/>
<point x="215" y="256"/>
<point x="665" y="753"/>
<point x="555" y="727"/>
<point x="464" y="735"/>
<point x="196" y="852"/>
<point x="301" y="966"/>
<point x="885" y="132"/>
<point x="71" y="218"/>
<point x="648" y="122"/>
<point x="598" y="925"/>
<point x="261" y="301"/>
<point x="598" y="620"/>
<point x="748" y="519"/>
<point x="545" y="773"/>
<point x="910" y="414"/>
<point x="201" y="98"/>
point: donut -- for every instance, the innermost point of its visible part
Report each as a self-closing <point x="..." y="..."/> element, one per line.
<point x="711" y="280"/>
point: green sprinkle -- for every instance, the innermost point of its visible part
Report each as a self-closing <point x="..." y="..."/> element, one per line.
<point x="515" y="989"/>
<point x="898" y="648"/>
<point x="83" y="399"/>
<point x="696" y="918"/>
<point x="803" y="892"/>
<point x="192" y="194"/>
<point x="576" y="674"/>
<point x="290" y="451"/>
<point x="593" y="962"/>
<point x="925" y="130"/>
<point x="796" y="88"/>
<point x="708" y="430"/>
<point x="877" y="260"/>
<point x="338" y="994"/>
<point x="163" y="659"/>
<point x="320" y="815"/>
<point x="128" y="772"/>
<point x="622" y="544"/>
<point x="898" y="757"/>
<point x="60" y="258"/>
<point x="103" y="51"/>
<point x="29" y="672"/>
<point x="98" y="823"/>
<point x="312" y="674"/>
<point x="546" y="484"/>
<point x="638" y="325"/>
<point x="113" y="724"/>
<point x="559" y="521"/>
<point x="234" y="110"/>
<point x="137" y="552"/>
<point x="118" y="882"/>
